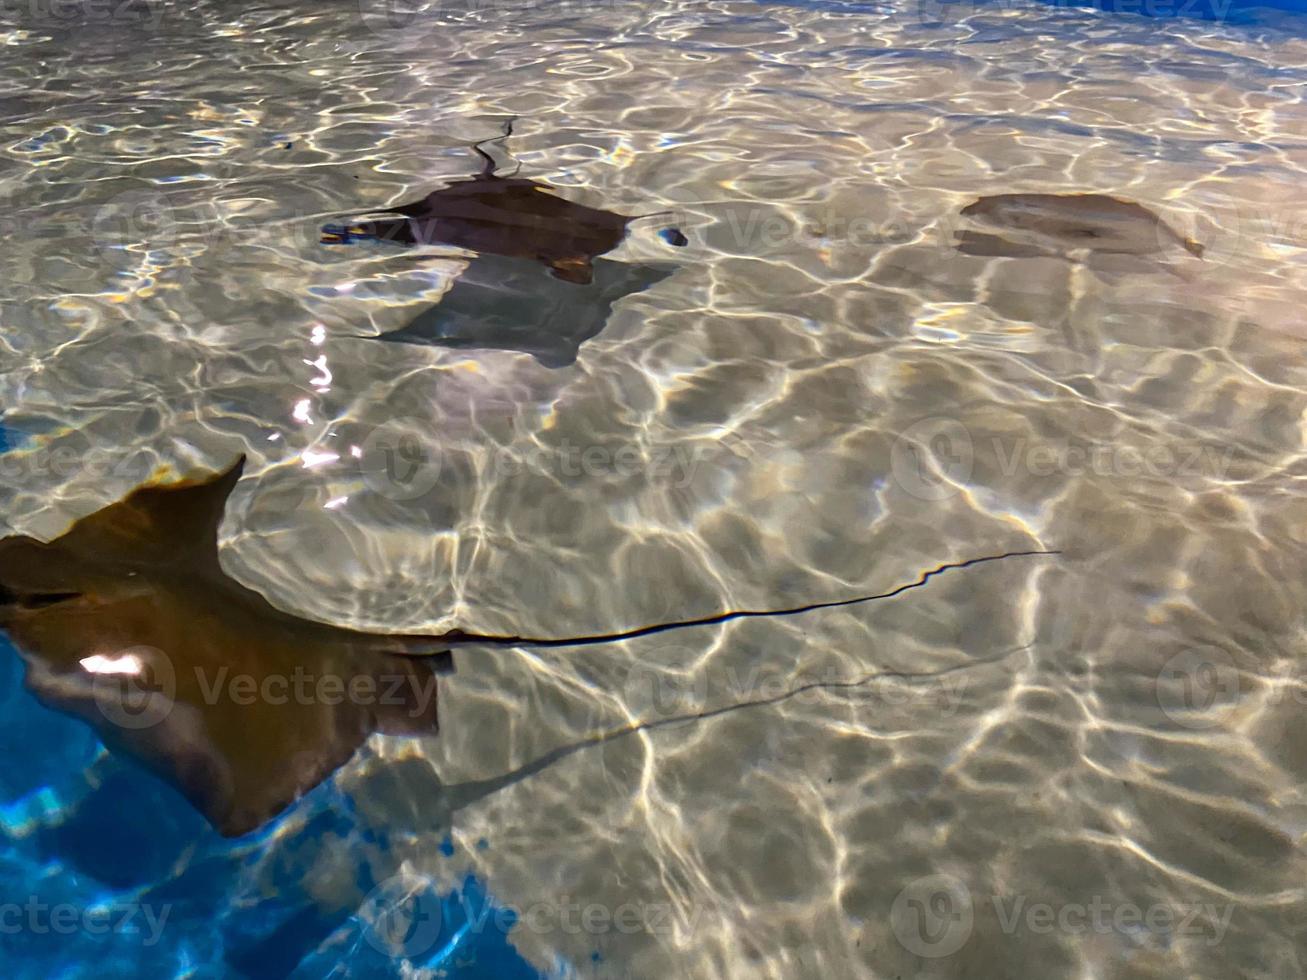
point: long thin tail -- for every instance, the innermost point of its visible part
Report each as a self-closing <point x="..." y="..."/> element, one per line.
<point x="458" y="636"/>
<point x="491" y="164"/>
<point x="465" y="794"/>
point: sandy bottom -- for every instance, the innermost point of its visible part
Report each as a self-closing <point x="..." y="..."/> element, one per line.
<point x="1083" y="766"/>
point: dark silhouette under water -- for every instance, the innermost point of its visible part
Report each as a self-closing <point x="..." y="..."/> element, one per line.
<point x="510" y="304"/>
<point x="509" y="216"/>
<point x="1051" y="225"/>
<point x="129" y="622"/>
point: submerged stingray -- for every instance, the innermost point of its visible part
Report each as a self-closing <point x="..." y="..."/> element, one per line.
<point x="493" y="215"/>
<point x="1031" y="225"/>
<point x="508" y="304"/>
<point x="128" y="622"/>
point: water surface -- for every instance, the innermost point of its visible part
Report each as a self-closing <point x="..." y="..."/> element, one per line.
<point x="823" y="398"/>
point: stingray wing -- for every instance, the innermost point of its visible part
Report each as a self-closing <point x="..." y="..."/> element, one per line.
<point x="242" y="715"/>
<point x="133" y="628"/>
<point x="1098" y="222"/>
<point x="514" y="217"/>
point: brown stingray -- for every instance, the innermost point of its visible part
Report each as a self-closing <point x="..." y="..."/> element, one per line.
<point x="1050" y="224"/>
<point x="128" y="621"/>
<point x="493" y="215"/>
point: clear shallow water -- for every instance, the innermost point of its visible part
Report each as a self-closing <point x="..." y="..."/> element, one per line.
<point x="822" y="399"/>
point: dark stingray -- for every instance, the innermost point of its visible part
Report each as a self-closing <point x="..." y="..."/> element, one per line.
<point x="128" y="622"/>
<point x="493" y="215"/>
<point x="510" y="304"/>
<point x="1030" y="225"/>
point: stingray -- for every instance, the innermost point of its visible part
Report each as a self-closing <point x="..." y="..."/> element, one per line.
<point x="493" y="215"/>
<point x="1050" y="225"/>
<point x="510" y="304"/>
<point x="128" y="621"/>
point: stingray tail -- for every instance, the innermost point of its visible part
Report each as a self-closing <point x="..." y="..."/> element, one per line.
<point x="458" y="636"/>
<point x="492" y="164"/>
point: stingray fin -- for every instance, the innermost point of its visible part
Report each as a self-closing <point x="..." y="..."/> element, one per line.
<point x="244" y="715"/>
<point x="159" y="522"/>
